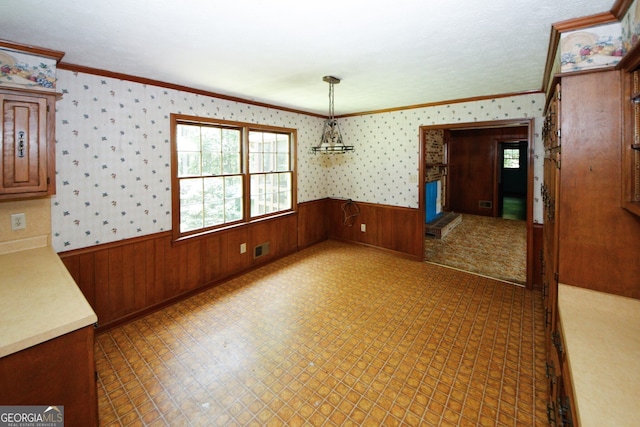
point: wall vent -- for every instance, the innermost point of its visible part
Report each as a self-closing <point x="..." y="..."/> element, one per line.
<point x="261" y="250"/>
<point x="485" y="204"/>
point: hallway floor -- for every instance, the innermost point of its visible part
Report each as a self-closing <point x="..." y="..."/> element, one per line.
<point x="493" y="247"/>
<point x="336" y="334"/>
<point x="514" y="208"/>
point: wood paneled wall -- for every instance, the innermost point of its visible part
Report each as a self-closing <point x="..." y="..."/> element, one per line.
<point x="473" y="169"/>
<point x="312" y="223"/>
<point x="129" y="278"/>
<point x="125" y="279"/>
<point x="389" y="227"/>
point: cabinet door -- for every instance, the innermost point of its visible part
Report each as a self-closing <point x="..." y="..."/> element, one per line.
<point x="550" y="134"/>
<point x="24" y="144"/>
<point x="631" y="143"/>
<point x="550" y="197"/>
<point x="554" y="378"/>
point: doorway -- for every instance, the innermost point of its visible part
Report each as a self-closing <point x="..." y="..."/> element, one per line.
<point x="512" y="179"/>
<point x="493" y="195"/>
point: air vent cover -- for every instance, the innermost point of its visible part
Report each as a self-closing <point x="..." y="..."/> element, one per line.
<point x="261" y="250"/>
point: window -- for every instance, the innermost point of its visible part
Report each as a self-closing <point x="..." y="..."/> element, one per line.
<point x="228" y="173"/>
<point x="511" y="158"/>
<point x="270" y="171"/>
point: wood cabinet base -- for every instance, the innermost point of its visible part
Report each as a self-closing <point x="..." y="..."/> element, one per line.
<point x="60" y="372"/>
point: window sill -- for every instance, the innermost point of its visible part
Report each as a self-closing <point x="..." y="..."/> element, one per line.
<point x="191" y="237"/>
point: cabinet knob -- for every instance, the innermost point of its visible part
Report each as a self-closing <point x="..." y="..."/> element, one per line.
<point x="21" y="144"/>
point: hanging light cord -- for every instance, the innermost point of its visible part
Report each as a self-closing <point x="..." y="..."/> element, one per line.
<point x="331" y="108"/>
<point x="350" y="210"/>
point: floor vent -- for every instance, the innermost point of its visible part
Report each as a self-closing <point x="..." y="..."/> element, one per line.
<point x="485" y="204"/>
<point x="261" y="250"/>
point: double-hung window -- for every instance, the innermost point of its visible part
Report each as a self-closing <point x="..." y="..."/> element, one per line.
<point x="228" y="173"/>
<point x="270" y="171"/>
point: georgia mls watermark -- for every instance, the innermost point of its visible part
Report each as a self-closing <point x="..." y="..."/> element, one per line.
<point x="31" y="416"/>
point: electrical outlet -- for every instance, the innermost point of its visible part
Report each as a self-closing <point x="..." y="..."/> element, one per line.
<point x="363" y="227"/>
<point x="18" y="221"/>
<point x="243" y="248"/>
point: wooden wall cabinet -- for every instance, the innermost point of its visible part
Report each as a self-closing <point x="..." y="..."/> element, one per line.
<point x="27" y="166"/>
<point x="631" y="143"/>
<point x="590" y="241"/>
<point x="550" y="195"/>
<point x="597" y="240"/>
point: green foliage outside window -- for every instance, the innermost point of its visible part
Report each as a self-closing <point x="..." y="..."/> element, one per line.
<point x="211" y="176"/>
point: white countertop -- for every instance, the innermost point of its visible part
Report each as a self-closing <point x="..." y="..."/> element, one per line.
<point x="39" y="299"/>
<point x="602" y="343"/>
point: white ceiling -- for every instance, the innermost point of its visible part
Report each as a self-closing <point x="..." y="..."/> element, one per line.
<point x="387" y="53"/>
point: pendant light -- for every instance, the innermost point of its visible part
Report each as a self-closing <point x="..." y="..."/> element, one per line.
<point x="331" y="141"/>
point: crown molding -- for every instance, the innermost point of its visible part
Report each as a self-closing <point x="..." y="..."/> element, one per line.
<point x="439" y="103"/>
<point x="34" y="50"/>
<point x="143" y="80"/>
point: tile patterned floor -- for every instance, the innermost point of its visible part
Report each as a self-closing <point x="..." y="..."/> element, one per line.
<point x="336" y="334"/>
<point x="493" y="247"/>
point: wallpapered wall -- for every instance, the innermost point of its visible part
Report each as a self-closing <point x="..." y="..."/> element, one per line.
<point x="384" y="168"/>
<point x="113" y="153"/>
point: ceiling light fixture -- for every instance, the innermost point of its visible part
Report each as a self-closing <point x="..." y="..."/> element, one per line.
<point x="331" y="141"/>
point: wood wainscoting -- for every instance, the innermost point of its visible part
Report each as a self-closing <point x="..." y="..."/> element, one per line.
<point x="312" y="223"/>
<point x="123" y="280"/>
<point x="390" y="227"/>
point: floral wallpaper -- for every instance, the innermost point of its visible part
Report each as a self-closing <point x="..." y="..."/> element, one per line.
<point x="113" y="153"/>
<point x="384" y="167"/>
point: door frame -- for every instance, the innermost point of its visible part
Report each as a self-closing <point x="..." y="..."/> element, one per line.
<point x="530" y="156"/>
